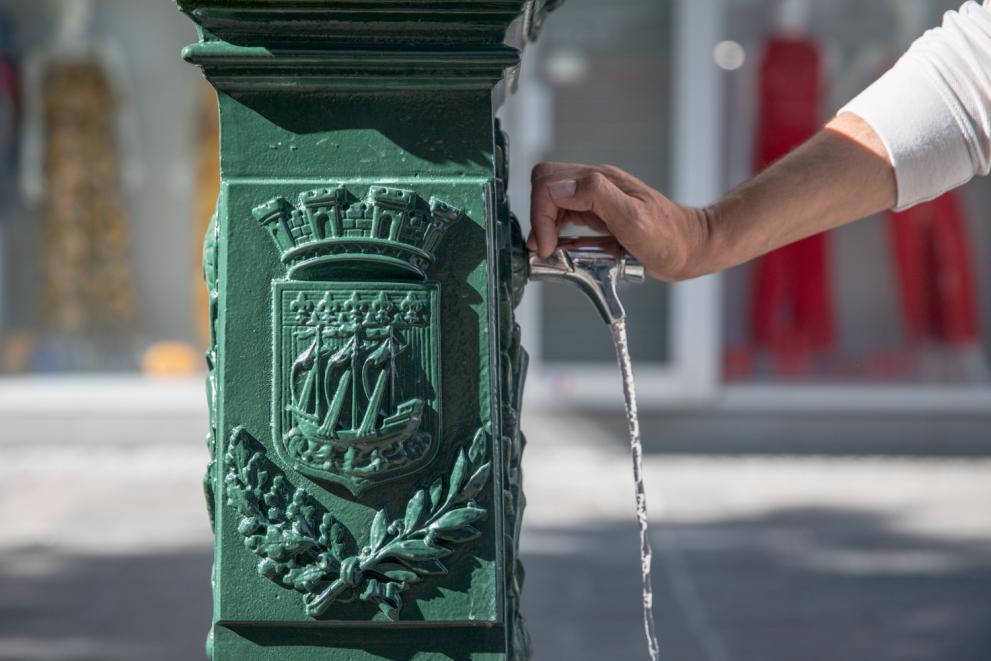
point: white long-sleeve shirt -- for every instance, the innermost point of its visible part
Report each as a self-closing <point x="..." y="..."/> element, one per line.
<point x="932" y="110"/>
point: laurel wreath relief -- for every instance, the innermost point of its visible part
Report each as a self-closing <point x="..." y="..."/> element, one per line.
<point x="303" y="547"/>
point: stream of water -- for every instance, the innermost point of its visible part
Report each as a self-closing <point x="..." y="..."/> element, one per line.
<point x="621" y="341"/>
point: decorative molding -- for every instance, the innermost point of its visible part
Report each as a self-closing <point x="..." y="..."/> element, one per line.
<point x="400" y="22"/>
<point x="513" y="360"/>
<point x="268" y="45"/>
<point x="211" y="278"/>
<point x="254" y="68"/>
<point x="303" y="547"/>
<point x="212" y="281"/>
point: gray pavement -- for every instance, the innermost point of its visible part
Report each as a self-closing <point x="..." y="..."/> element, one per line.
<point x="764" y="556"/>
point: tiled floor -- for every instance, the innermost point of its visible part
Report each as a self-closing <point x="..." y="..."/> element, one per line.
<point x="105" y="551"/>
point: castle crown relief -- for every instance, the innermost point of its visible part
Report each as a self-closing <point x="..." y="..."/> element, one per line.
<point x="390" y="226"/>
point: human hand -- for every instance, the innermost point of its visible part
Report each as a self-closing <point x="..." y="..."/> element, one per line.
<point x="667" y="238"/>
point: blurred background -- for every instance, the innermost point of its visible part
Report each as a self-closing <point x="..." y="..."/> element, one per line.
<point x="817" y="423"/>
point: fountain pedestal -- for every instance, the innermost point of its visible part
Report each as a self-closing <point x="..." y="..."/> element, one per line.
<point x="366" y="370"/>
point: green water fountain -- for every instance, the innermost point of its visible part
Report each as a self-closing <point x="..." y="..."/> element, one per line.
<point x="366" y="372"/>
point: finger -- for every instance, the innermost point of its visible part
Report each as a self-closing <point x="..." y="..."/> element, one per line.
<point x="593" y="193"/>
<point x="623" y="179"/>
<point x="550" y="171"/>
<point x="544" y="212"/>
<point x="597" y="194"/>
<point x="545" y="217"/>
<point x="552" y="168"/>
<point x="531" y="241"/>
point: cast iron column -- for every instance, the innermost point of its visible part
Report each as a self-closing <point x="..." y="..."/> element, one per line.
<point x="366" y="371"/>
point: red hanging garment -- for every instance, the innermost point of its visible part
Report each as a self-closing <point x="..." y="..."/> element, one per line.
<point x="791" y="310"/>
<point x="935" y="273"/>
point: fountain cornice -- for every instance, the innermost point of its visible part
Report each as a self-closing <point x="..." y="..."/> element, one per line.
<point x="293" y="45"/>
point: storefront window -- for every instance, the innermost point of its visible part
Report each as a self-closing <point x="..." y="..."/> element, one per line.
<point x="102" y="135"/>
<point x="874" y="302"/>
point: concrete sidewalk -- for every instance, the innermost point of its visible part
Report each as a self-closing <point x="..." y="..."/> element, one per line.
<point x="105" y="551"/>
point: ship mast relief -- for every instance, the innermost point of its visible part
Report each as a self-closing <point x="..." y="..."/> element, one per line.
<point x="350" y="408"/>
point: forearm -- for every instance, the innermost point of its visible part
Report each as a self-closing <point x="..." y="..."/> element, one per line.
<point x="840" y="175"/>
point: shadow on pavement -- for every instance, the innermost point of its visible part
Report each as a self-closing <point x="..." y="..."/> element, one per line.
<point x="795" y="584"/>
<point x="153" y="607"/>
<point x="808" y="584"/>
<point x="913" y="435"/>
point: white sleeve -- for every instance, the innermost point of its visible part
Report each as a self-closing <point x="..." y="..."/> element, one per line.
<point x="932" y="110"/>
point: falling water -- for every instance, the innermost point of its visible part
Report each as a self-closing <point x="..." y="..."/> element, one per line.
<point x="621" y="341"/>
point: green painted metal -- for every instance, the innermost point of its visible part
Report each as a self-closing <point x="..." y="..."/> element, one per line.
<point x="366" y="370"/>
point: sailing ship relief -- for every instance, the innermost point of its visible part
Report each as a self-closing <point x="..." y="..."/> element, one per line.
<point x="351" y="394"/>
<point x="359" y="400"/>
<point x="356" y="396"/>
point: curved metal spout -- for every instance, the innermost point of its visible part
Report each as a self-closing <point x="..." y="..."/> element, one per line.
<point x="594" y="268"/>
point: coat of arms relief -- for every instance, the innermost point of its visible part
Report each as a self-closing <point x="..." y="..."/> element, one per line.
<point x="356" y="401"/>
<point x="357" y="377"/>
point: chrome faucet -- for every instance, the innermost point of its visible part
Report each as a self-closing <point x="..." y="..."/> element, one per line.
<point x="594" y="267"/>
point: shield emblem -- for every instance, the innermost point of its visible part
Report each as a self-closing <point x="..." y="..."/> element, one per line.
<point x="357" y="380"/>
